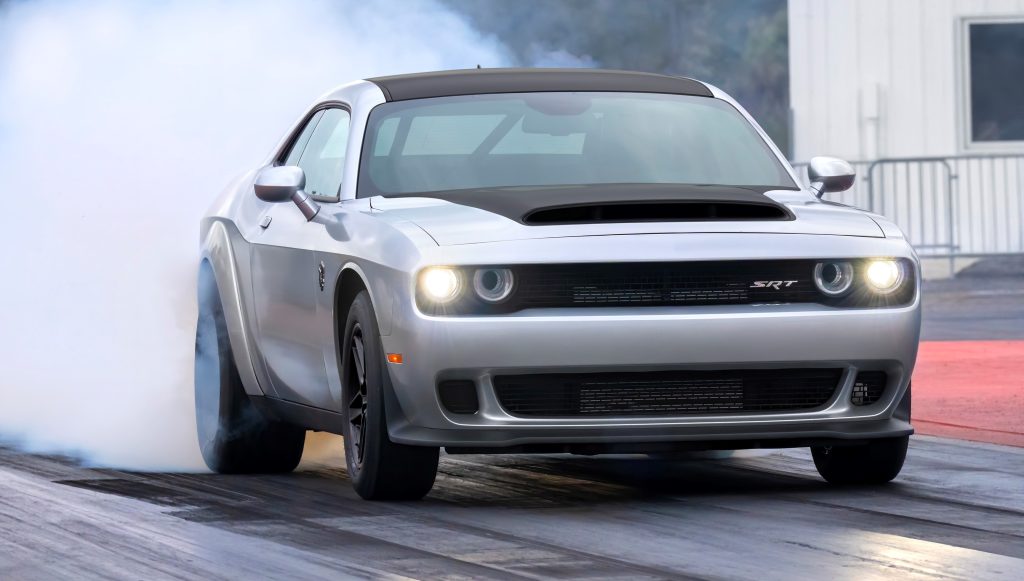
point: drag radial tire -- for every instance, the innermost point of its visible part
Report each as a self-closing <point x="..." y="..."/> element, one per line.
<point x="379" y="468"/>
<point x="874" y="462"/>
<point x="235" y="438"/>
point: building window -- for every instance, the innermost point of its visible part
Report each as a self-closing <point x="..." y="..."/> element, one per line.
<point x="994" y="78"/>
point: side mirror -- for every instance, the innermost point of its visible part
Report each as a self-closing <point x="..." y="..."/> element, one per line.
<point x="829" y="174"/>
<point x="282" y="183"/>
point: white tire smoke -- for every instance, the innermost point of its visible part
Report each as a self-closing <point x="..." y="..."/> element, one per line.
<point x="120" y="122"/>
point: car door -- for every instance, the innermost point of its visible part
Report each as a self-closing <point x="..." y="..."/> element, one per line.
<point x="286" y="277"/>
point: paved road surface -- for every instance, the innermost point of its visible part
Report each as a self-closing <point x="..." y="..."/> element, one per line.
<point x="957" y="512"/>
<point x="984" y="302"/>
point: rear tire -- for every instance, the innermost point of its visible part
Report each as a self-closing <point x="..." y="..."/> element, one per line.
<point x="379" y="468"/>
<point x="875" y="462"/>
<point x="234" y="437"/>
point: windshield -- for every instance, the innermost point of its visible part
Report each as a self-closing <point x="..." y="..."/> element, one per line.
<point x="553" y="139"/>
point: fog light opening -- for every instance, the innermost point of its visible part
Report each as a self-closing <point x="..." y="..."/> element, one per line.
<point x="459" y="396"/>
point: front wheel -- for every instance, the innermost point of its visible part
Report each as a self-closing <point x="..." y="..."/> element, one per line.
<point x="875" y="462"/>
<point x="379" y="468"/>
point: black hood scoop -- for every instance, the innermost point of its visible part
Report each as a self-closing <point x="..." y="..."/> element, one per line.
<point x="648" y="211"/>
<point x="611" y="203"/>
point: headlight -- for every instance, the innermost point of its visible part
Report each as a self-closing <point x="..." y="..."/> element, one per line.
<point x="833" y="278"/>
<point x="493" y="285"/>
<point x="884" y="276"/>
<point x="440" y="284"/>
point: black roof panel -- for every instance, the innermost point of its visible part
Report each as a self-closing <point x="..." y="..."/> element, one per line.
<point x="486" y="81"/>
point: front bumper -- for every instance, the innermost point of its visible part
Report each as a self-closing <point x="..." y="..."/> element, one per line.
<point x="596" y="340"/>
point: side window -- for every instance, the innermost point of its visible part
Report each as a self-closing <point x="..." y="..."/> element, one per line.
<point x="323" y="159"/>
<point x="300" y="144"/>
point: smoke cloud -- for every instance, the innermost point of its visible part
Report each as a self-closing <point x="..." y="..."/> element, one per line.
<point x="120" y="122"/>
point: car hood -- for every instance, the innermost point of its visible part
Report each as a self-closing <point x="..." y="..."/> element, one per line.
<point x="451" y="223"/>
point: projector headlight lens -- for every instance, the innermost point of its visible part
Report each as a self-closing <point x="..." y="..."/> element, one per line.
<point x="440" y="284"/>
<point x="493" y="285"/>
<point x="833" y="278"/>
<point x="884" y="276"/>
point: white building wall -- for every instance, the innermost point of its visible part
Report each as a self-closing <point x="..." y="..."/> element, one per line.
<point x="874" y="79"/>
<point x="879" y="78"/>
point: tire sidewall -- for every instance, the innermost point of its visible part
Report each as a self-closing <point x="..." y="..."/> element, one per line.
<point x="375" y="430"/>
<point x="874" y="462"/>
<point x="215" y="375"/>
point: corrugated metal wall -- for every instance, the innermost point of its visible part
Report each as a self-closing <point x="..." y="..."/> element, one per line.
<point x="879" y="78"/>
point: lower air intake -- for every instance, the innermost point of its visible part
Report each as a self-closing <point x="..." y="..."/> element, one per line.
<point x="666" y="393"/>
<point x="458" y="396"/>
<point x="868" y="387"/>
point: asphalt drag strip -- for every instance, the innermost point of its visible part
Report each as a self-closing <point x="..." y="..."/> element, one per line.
<point x="956" y="512"/>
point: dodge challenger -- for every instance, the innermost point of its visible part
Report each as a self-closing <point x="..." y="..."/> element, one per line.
<point x="547" y="261"/>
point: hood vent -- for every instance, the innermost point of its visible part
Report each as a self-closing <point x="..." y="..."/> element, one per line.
<point x="656" y="211"/>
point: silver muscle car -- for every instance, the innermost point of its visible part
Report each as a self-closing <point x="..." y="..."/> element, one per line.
<point x="531" y="261"/>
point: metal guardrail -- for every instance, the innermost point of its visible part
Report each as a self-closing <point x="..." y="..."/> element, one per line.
<point x="960" y="206"/>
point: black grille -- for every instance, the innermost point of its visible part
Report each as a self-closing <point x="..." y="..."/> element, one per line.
<point x="664" y="284"/>
<point x="662" y="393"/>
<point x="868" y="387"/>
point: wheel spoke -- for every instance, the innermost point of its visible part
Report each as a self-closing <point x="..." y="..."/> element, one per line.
<point x="356" y="385"/>
<point x="356" y="403"/>
<point x="358" y="359"/>
<point x="362" y="432"/>
<point x="355" y="419"/>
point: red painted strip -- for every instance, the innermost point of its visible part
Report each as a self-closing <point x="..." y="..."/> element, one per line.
<point x="973" y="390"/>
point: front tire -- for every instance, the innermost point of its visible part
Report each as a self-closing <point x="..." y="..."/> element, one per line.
<point x="234" y="437"/>
<point x="379" y="468"/>
<point x="875" y="462"/>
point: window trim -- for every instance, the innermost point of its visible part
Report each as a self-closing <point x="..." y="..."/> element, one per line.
<point x="965" y="142"/>
<point x="282" y="153"/>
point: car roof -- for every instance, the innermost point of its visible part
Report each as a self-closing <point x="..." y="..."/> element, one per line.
<point x="490" y="81"/>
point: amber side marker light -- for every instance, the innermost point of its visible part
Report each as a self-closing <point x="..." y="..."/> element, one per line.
<point x="395" y="358"/>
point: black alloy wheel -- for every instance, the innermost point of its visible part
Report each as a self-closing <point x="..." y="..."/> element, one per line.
<point x="357" y="403"/>
<point x="379" y="468"/>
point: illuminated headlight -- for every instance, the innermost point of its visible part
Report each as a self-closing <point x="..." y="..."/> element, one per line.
<point x="440" y="284"/>
<point x="493" y="285"/>
<point x="833" y="278"/>
<point x="884" y="276"/>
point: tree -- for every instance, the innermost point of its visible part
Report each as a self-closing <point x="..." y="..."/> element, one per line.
<point x="740" y="45"/>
